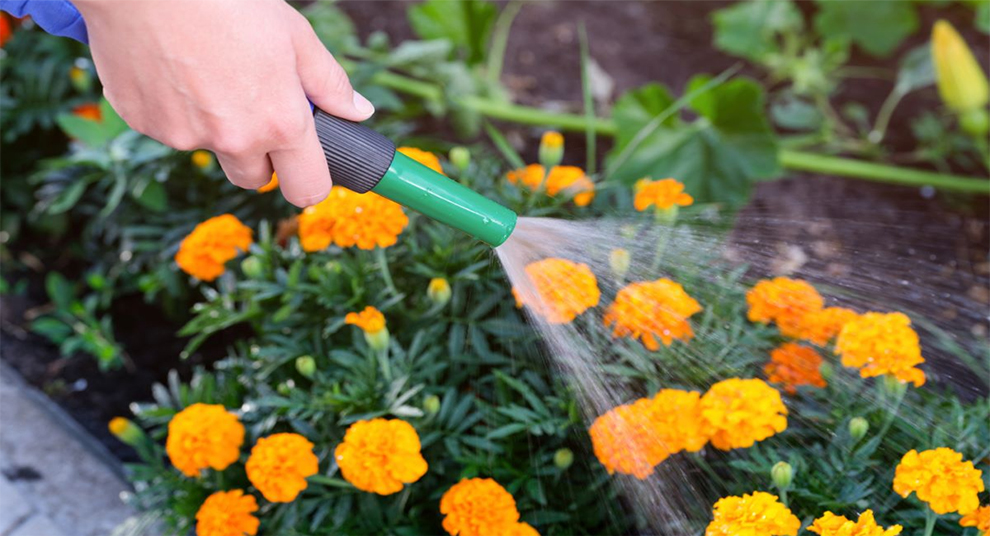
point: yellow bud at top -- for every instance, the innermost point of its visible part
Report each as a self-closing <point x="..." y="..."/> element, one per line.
<point x="125" y="430"/>
<point x="551" y="149"/>
<point x="961" y="82"/>
<point x="552" y="139"/>
<point x="439" y="291"/>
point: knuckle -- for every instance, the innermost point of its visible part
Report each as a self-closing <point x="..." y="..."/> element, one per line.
<point x="232" y="144"/>
<point x="288" y="129"/>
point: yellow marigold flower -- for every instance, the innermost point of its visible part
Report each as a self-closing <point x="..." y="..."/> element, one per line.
<point x="961" y="82"/>
<point x="227" y="513"/>
<point x="371" y="320"/>
<point x="478" y="507"/>
<point x="279" y="465"/>
<point x="941" y="478"/>
<point x="568" y="179"/>
<point x="560" y="289"/>
<point x="126" y="431"/>
<point x="878" y="343"/>
<point x="201" y="436"/>
<point x="784" y="301"/>
<point x="625" y="439"/>
<point x="738" y="413"/>
<point x="380" y="455"/>
<point x="832" y="525"/>
<point x="756" y="514"/>
<point x="203" y="253"/>
<point x="820" y="327"/>
<point x="651" y="310"/>
<point x="662" y="194"/>
<point x="201" y="159"/>
<point x="677" y="418"/>
<point x="979" y="518"/>
<point x="426" y="158"/>
<point x="792" y="365"/>
<point x="349" y="219"/>
<point x="272" y="184"/>
<point x="522" y="529"/>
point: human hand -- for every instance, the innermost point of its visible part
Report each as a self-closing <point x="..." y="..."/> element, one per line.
<point x="231" y="76"/>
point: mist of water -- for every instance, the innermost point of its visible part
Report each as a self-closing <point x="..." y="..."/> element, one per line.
<point x="713" y="268"/>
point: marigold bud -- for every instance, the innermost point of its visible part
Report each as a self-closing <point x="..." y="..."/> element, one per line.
<point x="975" y="122"/>
<point x="126" y="431"/>
<point x="439" y="291"/>
<point x="563" y="458"/>
<point x="858" y="427"/>
<point x="377" y="340"/>
<point x="202" y="159"/>
<point x="619" y="260"/>
<point x="80" y="78"/>
<point x="961" y="82"/>
<point x="431" y="405"/>
<point x="893" y="387"/>
<point x="253" y="268"/>
<point x="782" y="474"/>
<point x="460" y="157"/>
<point x="551" y="149"/>
<point x="306" y="365"/>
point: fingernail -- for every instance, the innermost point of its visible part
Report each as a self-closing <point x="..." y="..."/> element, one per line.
<point x="363" y="105"/>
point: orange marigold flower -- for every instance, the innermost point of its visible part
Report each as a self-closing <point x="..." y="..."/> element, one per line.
<point x="832" y="525"/>
<point x="784" y="301"/>
<point x="349" y="219"/>
<point x="979" y="518"/>
<point x="426" y="158"/>
<point x="651" y="310"/>
<point x="756" y="514"/>
<point x="738" y="413"/>
<point x="522" y="529"/>
<point x="370" y="320"/>
<point x="626" y="439"/>
<point x="89" y="111"/>
<point x="204" y="435"/>
<point x="662" y="194"/>
<point x="272" y="184"/>
<point x="677" y="418"/>
<point x="380" y="455"/>
<point x="941" y="478"/>
<point x="478" y="507"/>
<point x="279" y="465"/>
<point x="5" y="30"/>
<point x="560" y="290"/>
<point x="792" y="365"/>
<point x="878" y="343"/>
<point x="227" y="513"/>
<point x="203" y="253"/>
<point x="201" y="159"/>
<point x="820" y="327"/>
<point x="568" y="179"/>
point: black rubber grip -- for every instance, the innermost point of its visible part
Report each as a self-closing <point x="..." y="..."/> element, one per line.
<point x="357" y="156"/>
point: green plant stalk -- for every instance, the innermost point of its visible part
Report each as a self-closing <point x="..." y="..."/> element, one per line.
<point x="589" y="101"/>
<point x="500" y="40"/>
<point x="386" y="273"/>
<point x="797" y="160"/>
<point x="930" y="518"/>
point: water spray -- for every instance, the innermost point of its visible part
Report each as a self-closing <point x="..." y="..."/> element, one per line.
<point x="363" y="160"/>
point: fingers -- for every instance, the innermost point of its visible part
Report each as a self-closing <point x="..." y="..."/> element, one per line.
<point x="302" y="170"/>
<point x="249" y="170"/>
<point x="324" y="80"/>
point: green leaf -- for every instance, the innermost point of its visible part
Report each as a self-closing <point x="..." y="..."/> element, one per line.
<point x="637" y="108"/>
<point x="68" y="197"/>
<point x="877" y="26"/>
<point x="52" y="329"/>
<point x="59" y="290"/>
<point x="750" y="29"/>
<point x="332" y="26"/>
<point x="93" y="133"/>
<point x="916" y="70"/>
<point x="151" y="195"/>
<point x="718" y="156"/>
<point x="465" y="23"/>
<point x="982" y="16"/>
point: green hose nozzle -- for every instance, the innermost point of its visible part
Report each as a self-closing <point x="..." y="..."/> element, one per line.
<point x="363" y="160"/>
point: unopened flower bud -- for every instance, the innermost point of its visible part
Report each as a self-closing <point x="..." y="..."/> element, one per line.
<point x="439" y="291"/>
<point x="80" y="78"/>
<point x="202" y="159"/>
<point x="893" y="387"/>
<point x="252" y="267"/>
<point x="126" y="431"/>
<point x="377" y="340"/>
<point x="975" y="122"/>
<point x="619" y="260"/>
<point x="551" y="149"/>
<point x="961" y="82"/>
<point x="285" y="388"/>
<point x="858" y="427"/>
<point x="460" y="157"/>
<point x="827" y="371"/>
<point x="782" y="474"/>
<point x="306" y="366"/>
<point x="431" y="405"/>
<point x="563" y="458"/>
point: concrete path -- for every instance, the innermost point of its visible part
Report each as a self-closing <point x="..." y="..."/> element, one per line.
<point x="50" y="484"/>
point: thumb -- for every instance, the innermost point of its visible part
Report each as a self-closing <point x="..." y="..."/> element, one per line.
<point x="325" y="82"/>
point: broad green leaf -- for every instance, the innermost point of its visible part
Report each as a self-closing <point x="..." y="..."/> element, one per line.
<point x="68" y="197"/>
<point x="93" y="133"/>
<point x="793" y="113"/>
<point x="719" y="155"/>
<point x="751" y="29"/>
<point x="332" y="26"/>
<point x="637" y="108"/>
<point x="916" y="70"/>
<point x="983" y="16"/>
<point x="52" y="329"/>
<point x="877" y="26"/>
<point x="151" y="195"/>
<point x="465" y="23"/>
<point x="59" y="290"/>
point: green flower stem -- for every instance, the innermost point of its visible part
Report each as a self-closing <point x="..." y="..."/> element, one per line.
<point x="783" y="496"/>
<point x="892" y="415"/>
<point x="930" y="517"/>
<point x="796" y="160"/>
<point x="386" y="273"/>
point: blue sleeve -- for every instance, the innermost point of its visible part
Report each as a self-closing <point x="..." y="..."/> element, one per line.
<point x="57" y="17"/>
